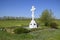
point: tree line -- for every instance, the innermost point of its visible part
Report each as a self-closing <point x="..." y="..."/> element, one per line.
<point x="13" y="18"/>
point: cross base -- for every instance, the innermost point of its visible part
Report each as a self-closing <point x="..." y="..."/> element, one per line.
<point x="32" y="24"/>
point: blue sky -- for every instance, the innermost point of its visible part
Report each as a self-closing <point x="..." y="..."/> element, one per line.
<point x="22" y="8"/>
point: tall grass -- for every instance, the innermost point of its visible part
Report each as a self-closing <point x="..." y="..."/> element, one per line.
<point x="46" y="34"/>
<point x="9" y="23"/>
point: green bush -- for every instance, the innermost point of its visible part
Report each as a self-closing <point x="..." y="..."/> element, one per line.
<point x="54" y="25"/>
<point x="21" y="30"/>
<point x="35" y="29"/>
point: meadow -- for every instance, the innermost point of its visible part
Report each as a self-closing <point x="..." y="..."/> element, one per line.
<point x="43" y="34"/>
<point x="11" y="23"/>
<point x="46" y="34"/>
<point x="21" y="23"/>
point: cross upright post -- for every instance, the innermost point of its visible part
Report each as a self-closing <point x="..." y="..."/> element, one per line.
<point x="32" y="10"/>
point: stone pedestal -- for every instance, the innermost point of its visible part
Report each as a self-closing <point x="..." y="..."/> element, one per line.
<point x="32" y="24"/>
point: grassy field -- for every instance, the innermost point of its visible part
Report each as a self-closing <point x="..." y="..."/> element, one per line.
<point x="43" y="34"/>
<point x="46" y="34"/>
<point x="11" y="23"/>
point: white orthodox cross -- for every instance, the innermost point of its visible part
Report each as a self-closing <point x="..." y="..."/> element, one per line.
<point x="33" y="9"/>
<point x="33" y="24"/>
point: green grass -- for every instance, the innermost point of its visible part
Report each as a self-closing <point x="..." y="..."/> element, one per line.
<point x="46" y="34"/>
<point x="10" y="23"/>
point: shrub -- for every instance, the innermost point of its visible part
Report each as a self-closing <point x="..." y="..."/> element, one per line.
<point x="54" y="25"/>
<point x="21" y="30"/>
<point x="34" y="29"/>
